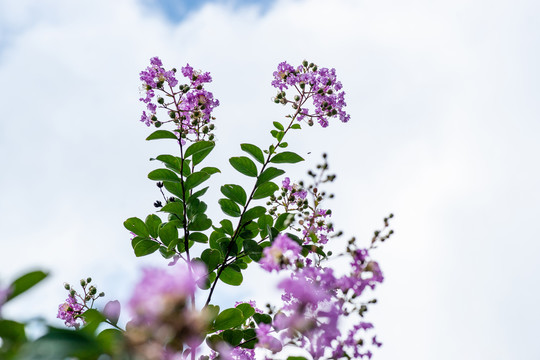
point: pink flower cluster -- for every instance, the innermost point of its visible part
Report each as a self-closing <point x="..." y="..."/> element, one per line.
<point x="189" y="106"/>
<point x="71" y="312"/>
<point x="320" y="85"/>
<point x="315" y="300"/>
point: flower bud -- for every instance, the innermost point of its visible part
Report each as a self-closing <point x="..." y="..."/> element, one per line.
<point x="101" y="294"/>
<point x="83" y="283"/>
<point x="92" y="290"/>
<point x="315" y="68"/>
<point x="161" y="100"/>
<point x="72" y="293"/>
<point x="172" y="115"/>
<point x="212" y="126"/>
<point x="67" y="286"/>
<point x="89" y="280"/>
<point x="305" y="63"/>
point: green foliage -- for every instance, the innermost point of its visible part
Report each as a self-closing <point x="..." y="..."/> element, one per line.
<point x="254" y="151"/>
<point x="162" y="134"/>
<point x="228" y="319"/>
<point x="244" y="165"/>
<point x="25" y="282"/>
<point x="229" y="207"/>
<point x="163" y="175"/>
<point x="199" y="150"/>
<point x="235" y="192"/>
<point x="269" y="174"/>
<point x="136" y="226"/>
<point x="230" y="276"/>
<point x="265" y="190"/>
<point x="286" y="157"/>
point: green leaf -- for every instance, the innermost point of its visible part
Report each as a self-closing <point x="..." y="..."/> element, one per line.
<point x="278" y="126"/>
<point x="228" y="319"/>
<point x="254" y="151"/>
<point x="283" y="221"/>
<point x="168" y="233"/>
<point x="253" y="250"/>
<point x="110" y="339"/>
<point x="199" y="151"/>
<point x="145" y="247"/>
<point x="244" y="165"/>
<point x="162" y="134"/>
<point x="152" y="224"/>
<point x="172" y="162"/>
<point x="174" y="188"/>
<point x="229" y="207"/>
<point x="195" y="179"/>
<point x="234" y="192"/>
<point x="231" y="277"/>
<point x="210" y="170"/>
<point x="253" y="213"/>
<point x="247" y="310"/>
<point x="233" y="337"/>
<point x="264" y="222"/>
<point x="262" y="318"/>
<point x="163" y="175"/>
<point x="199" y="237"/>
<point x="286" y="157"/>
<point x="12" y="330"/>
<point x="227" y="226"/>
<point x="214" y="342"/>
<point x="296" y="357"/>
<point x="296" y="126"/>
<point x="25" y="282"/>
<point x="250" y="338"/>
<point x="200" y="223"/>
<point x="198" y="193"/>
<point x="269" y="174"/>
<point x="265" y="190"/>
<point x="175" y="207"/>
<point x="283" y="145"/>
<point x="211" y="258"/>
<point x="137" y="226"/>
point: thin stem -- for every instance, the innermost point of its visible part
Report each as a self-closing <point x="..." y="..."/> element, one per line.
<point x="240" y="226"/>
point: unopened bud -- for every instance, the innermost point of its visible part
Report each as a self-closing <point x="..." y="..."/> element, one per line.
<point x="305" y="63"/>
<point x="157" y="124"/>
<point x="160" y="100"/>
<point x="67" y="286"/>
<point x="89" y="280"/>
<point x="83" y="283"/>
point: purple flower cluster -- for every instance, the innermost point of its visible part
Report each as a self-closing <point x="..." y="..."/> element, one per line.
<point x="189" y="105"/>
<point x="283" y="252"/>
<point x="310" y="82"/>
<point x="159" y="288"/>
<point x="71" y="312"/>
<point x="315" y="300"/>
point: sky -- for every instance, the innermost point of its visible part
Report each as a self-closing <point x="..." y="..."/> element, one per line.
<point x="443" y="98"/>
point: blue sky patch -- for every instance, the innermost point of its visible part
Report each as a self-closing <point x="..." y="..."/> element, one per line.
<point x="176" y="10"/>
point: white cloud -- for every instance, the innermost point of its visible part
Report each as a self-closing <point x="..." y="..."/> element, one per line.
<point x="443" y="133"/>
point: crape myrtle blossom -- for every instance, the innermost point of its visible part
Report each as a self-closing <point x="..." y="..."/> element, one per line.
<point x="189" y="106"/>
<point x="310" y="82"/>
<point x="283" y="252"/>
<point x="71" y="312"/>
<point x="164" y="318"/>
